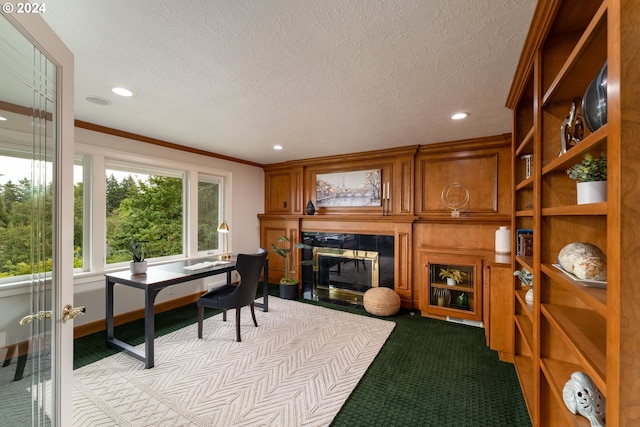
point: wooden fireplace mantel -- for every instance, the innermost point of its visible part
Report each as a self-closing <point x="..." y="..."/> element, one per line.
<point x="399" y="226"/>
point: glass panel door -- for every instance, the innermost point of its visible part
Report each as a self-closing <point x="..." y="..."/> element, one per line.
<point x="454" y="286"/>
<point x="31" y="253"/>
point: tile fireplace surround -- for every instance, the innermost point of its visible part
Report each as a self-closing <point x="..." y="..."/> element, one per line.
<point x="352" y="264"/>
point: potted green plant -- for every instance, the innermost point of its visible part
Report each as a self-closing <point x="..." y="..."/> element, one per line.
<point x="454" y="276"/>
<point x="288" y="285"/>
<point x="138" y="263"/>
<point x="591" y="177"/>
<point x="526" y="279"/>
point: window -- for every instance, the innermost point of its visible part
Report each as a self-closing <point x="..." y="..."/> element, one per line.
<point x="154" y="201"/>
<point x="78" y="214"/>
<point x="18" y="199"/>
<point x="145" y="203"/>
<point x="209" y="196"/>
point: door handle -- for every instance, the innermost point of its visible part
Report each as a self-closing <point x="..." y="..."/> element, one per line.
<point x="39" y="315"/>
<point x="69" y="312"/>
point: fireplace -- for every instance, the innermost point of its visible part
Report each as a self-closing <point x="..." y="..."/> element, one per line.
<point x="346" y="266"/>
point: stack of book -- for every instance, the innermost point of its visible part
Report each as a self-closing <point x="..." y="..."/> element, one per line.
<point x="524" y="242"/>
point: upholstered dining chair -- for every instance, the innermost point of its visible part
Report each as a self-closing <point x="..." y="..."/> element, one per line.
<point x="249" y="267"/>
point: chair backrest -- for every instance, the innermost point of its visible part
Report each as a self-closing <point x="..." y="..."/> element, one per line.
<point x="249" y="266"/>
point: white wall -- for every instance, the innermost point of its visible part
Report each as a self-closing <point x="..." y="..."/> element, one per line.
<point x="246" y="202"/>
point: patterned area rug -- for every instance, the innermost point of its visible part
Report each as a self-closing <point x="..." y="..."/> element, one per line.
<point x="296" y="369"/>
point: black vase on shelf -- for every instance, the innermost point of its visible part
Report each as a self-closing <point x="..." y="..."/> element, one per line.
<point x="310" y="208"/>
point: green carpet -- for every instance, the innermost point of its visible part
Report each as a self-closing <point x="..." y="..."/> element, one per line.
<point x="428" y="373"/>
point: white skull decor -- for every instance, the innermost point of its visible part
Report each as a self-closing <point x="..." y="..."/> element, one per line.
<point x="582" y="397"/>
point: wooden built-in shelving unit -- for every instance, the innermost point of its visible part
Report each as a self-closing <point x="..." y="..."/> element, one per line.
<point x="570" y="327"/>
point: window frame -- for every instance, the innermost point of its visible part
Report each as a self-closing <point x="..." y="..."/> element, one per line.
<point x="133" y="168"/>
<point x="94" y="161"/>
<point x="97" y="160"/>
<point x="221" y="212"/>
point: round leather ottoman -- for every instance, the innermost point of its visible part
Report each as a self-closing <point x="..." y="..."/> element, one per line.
<point x="381" y="301"/>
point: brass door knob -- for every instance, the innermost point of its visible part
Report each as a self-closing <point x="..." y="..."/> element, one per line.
<point x="69" y="312"/>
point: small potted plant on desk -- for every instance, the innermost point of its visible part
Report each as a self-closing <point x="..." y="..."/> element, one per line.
<point x="138" y="263"/>
<point x="288" y="285"/>
<point x="591" y="177"/>
<point x="453" y="275"/>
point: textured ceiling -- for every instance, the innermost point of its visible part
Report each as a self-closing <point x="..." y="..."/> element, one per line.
<point x="320" y="77"/>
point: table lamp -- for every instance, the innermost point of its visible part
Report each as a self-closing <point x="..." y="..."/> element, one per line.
<point x="224" y="229"/>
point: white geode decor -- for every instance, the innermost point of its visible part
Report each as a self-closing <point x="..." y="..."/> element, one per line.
<point x="582" y="397"/>
<point x="584" y="260"/>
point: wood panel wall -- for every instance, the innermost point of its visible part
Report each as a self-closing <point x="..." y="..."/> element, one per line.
<point x="417" y="218"/>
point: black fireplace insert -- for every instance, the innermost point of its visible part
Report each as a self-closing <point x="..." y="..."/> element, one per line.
<point x="346" y="266"/>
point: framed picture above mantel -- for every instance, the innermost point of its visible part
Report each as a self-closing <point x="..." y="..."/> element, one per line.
<point x="349" y="189"/>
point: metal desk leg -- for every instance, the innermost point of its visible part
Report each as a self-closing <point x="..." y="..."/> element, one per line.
<point x="264" y="305"/>
<point x="109" y="309"/>
<point x="265" y="286"/>
<point x="149" y="327"/>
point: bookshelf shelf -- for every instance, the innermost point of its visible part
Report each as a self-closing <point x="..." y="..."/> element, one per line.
<point x="572" y="327"/>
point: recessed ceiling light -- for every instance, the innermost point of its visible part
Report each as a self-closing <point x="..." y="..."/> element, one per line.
<point x="278" y="147"/>
<point x="122" y="91"/>
<point x="2" y="119"/>
<point x="97" y="100"/>
<point x="459" y="116"/>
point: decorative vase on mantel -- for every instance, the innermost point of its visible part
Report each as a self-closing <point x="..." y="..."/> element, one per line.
<point x="503" y="240"/>
<point x="310" y="208"/>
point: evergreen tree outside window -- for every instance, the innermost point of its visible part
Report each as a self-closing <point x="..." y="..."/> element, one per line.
<point x="79" y="203"/>
<point x="147" y="204"/>
<point x="146" y="201"/>
<point x="18" y="197"/>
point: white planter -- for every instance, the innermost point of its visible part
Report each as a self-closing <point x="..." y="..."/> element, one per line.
<point x="528" y="297"/>
<point x="451" y="282"/>
<point x="138" y="267"/>
<point x="592" y="192"/>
